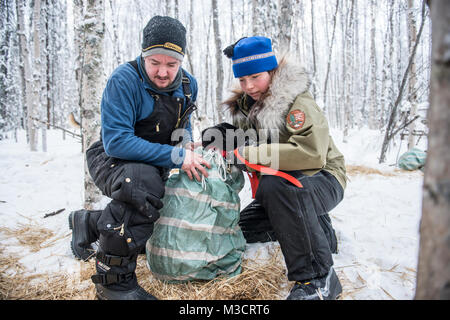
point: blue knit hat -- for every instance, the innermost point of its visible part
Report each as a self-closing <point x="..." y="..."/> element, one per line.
<point x="251" y="55"/>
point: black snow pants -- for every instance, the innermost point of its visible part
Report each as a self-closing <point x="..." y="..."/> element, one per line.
<point x="126" y="223"/>
<point x="298" y="218"/>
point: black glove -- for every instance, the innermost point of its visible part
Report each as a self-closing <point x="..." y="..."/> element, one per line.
<point x="218" y="135"/>
<point x="226" y="138"/>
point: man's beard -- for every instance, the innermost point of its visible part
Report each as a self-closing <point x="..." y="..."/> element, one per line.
<point x="162" y="79"/>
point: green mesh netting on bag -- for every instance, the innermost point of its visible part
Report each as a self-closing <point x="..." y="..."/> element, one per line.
<point x="412" y="159"/>
<point x="197" y="236"/>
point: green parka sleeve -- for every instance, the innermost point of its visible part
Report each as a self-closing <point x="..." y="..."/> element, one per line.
<point x="307" y="144"/>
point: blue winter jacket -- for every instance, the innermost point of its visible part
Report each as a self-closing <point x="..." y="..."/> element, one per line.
<point x="125" y="101"/>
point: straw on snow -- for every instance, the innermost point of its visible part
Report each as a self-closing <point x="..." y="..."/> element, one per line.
<point x="356" y="170"/>
<point x="259" y="279"/>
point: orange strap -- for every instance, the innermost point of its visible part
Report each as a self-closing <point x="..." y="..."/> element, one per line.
<point x="268" y="170"/>
<point x="254" y="182"/>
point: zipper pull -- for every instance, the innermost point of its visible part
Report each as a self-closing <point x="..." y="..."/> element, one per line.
<point x="157" y="127"/>
<point x="179" y="114"/>
<point x="122" y="229"/>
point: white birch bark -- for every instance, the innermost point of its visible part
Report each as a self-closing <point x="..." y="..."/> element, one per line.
<point x="91" y="30"/>
<point x="285" y="25"/>
<point x="313" y="54"/>
<point x="349" y="35"/>
<point x="35" y="103"/>
<point x="219" y="64"/>
<point x="28" y="74"/>
<point x="330" y="51"/>
<point x="387" y="65"/>
<point x="412" y="96"/>
<point x="115" y="37"/>
<point x="373" y="114"/>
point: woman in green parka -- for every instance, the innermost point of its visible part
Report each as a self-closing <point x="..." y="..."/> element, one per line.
<point x="273" y="98"/>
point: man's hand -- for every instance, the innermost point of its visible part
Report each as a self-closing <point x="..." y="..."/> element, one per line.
<point x="193" y="162"/>
<point x="192" y="145"/>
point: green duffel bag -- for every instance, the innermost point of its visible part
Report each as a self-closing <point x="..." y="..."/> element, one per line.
<point x="412" y="159"/>
<point x="197" y="236"/>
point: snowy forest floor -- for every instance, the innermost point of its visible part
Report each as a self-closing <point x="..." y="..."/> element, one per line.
<point x="377" y="226"/>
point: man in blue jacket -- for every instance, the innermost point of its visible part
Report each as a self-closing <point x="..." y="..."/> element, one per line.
<point x="145" y="114"/>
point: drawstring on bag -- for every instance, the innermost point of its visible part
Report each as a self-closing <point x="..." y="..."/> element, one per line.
<point x="215" y="157"/>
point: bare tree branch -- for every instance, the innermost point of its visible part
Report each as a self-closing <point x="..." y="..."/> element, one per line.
<point x="393" y="115"/>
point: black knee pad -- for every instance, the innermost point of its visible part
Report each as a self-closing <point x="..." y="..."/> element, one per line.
<point x="112" y="226"/>
<point x="255" y="225"/>
<point x="112" y="243"/>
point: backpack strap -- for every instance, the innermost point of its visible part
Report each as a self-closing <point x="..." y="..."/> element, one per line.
<point x="186" y="86"/>
<point x="135" y="66"/>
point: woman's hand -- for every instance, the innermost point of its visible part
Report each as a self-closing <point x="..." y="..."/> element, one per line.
<point x="193" y="162"/>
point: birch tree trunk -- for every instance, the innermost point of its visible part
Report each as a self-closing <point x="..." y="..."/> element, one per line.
<point x="5" y="64"/>
<point x="13" y="76"/>
<point x="234" y="25"/>
<point x="44" y="72"/>
<point x="313" y="48"/>
<point x="390" y="95"/>
<point x="92" y="82"/>
<point x="365" y="74"/>
<point x="341" y="85"/>
<point x="258" y="17"/>
<point x="349" y="35"/>
<point x="190" y="44"/>
<point x="433" y="274"/>
<point x="357" y="78"/>
<point x="412" y="96"/>
<point x="208" y="76"/>
<point x="48" y="54"/>
<point x="34" y="104"/>
<point x="387" y="65"/>
<point x="271" y="20"/>
<point x="373" y="123"/>
<point x="284" y="25"/>
<point x="325" y="85"/>
<point x="115" y="36"/>
<point x="294" y="29"/>
<point x="177" y="11"/>
<point x="219" y="64"/>
<point x="78" y="14"/>
<point x="23" y="62"/>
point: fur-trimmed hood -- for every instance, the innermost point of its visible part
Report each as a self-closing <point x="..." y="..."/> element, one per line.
<point x="289" y="80"/>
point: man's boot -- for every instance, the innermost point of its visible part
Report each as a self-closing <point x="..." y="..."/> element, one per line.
<point x="116" y="280"/>
<point x="84" y="232"/>
<point x="103" y="293"/>
<point x="327" y="287"/>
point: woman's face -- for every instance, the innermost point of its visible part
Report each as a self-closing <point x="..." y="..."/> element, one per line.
<point x="255" y="84"/>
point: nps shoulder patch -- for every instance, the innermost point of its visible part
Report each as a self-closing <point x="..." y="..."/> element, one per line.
<point x="296" y="119"/>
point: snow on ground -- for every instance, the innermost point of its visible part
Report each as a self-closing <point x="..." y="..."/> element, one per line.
<point x="377" y="223"/>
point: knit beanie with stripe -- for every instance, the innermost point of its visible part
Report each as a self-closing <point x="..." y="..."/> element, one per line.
<point x="164" y="35"/>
